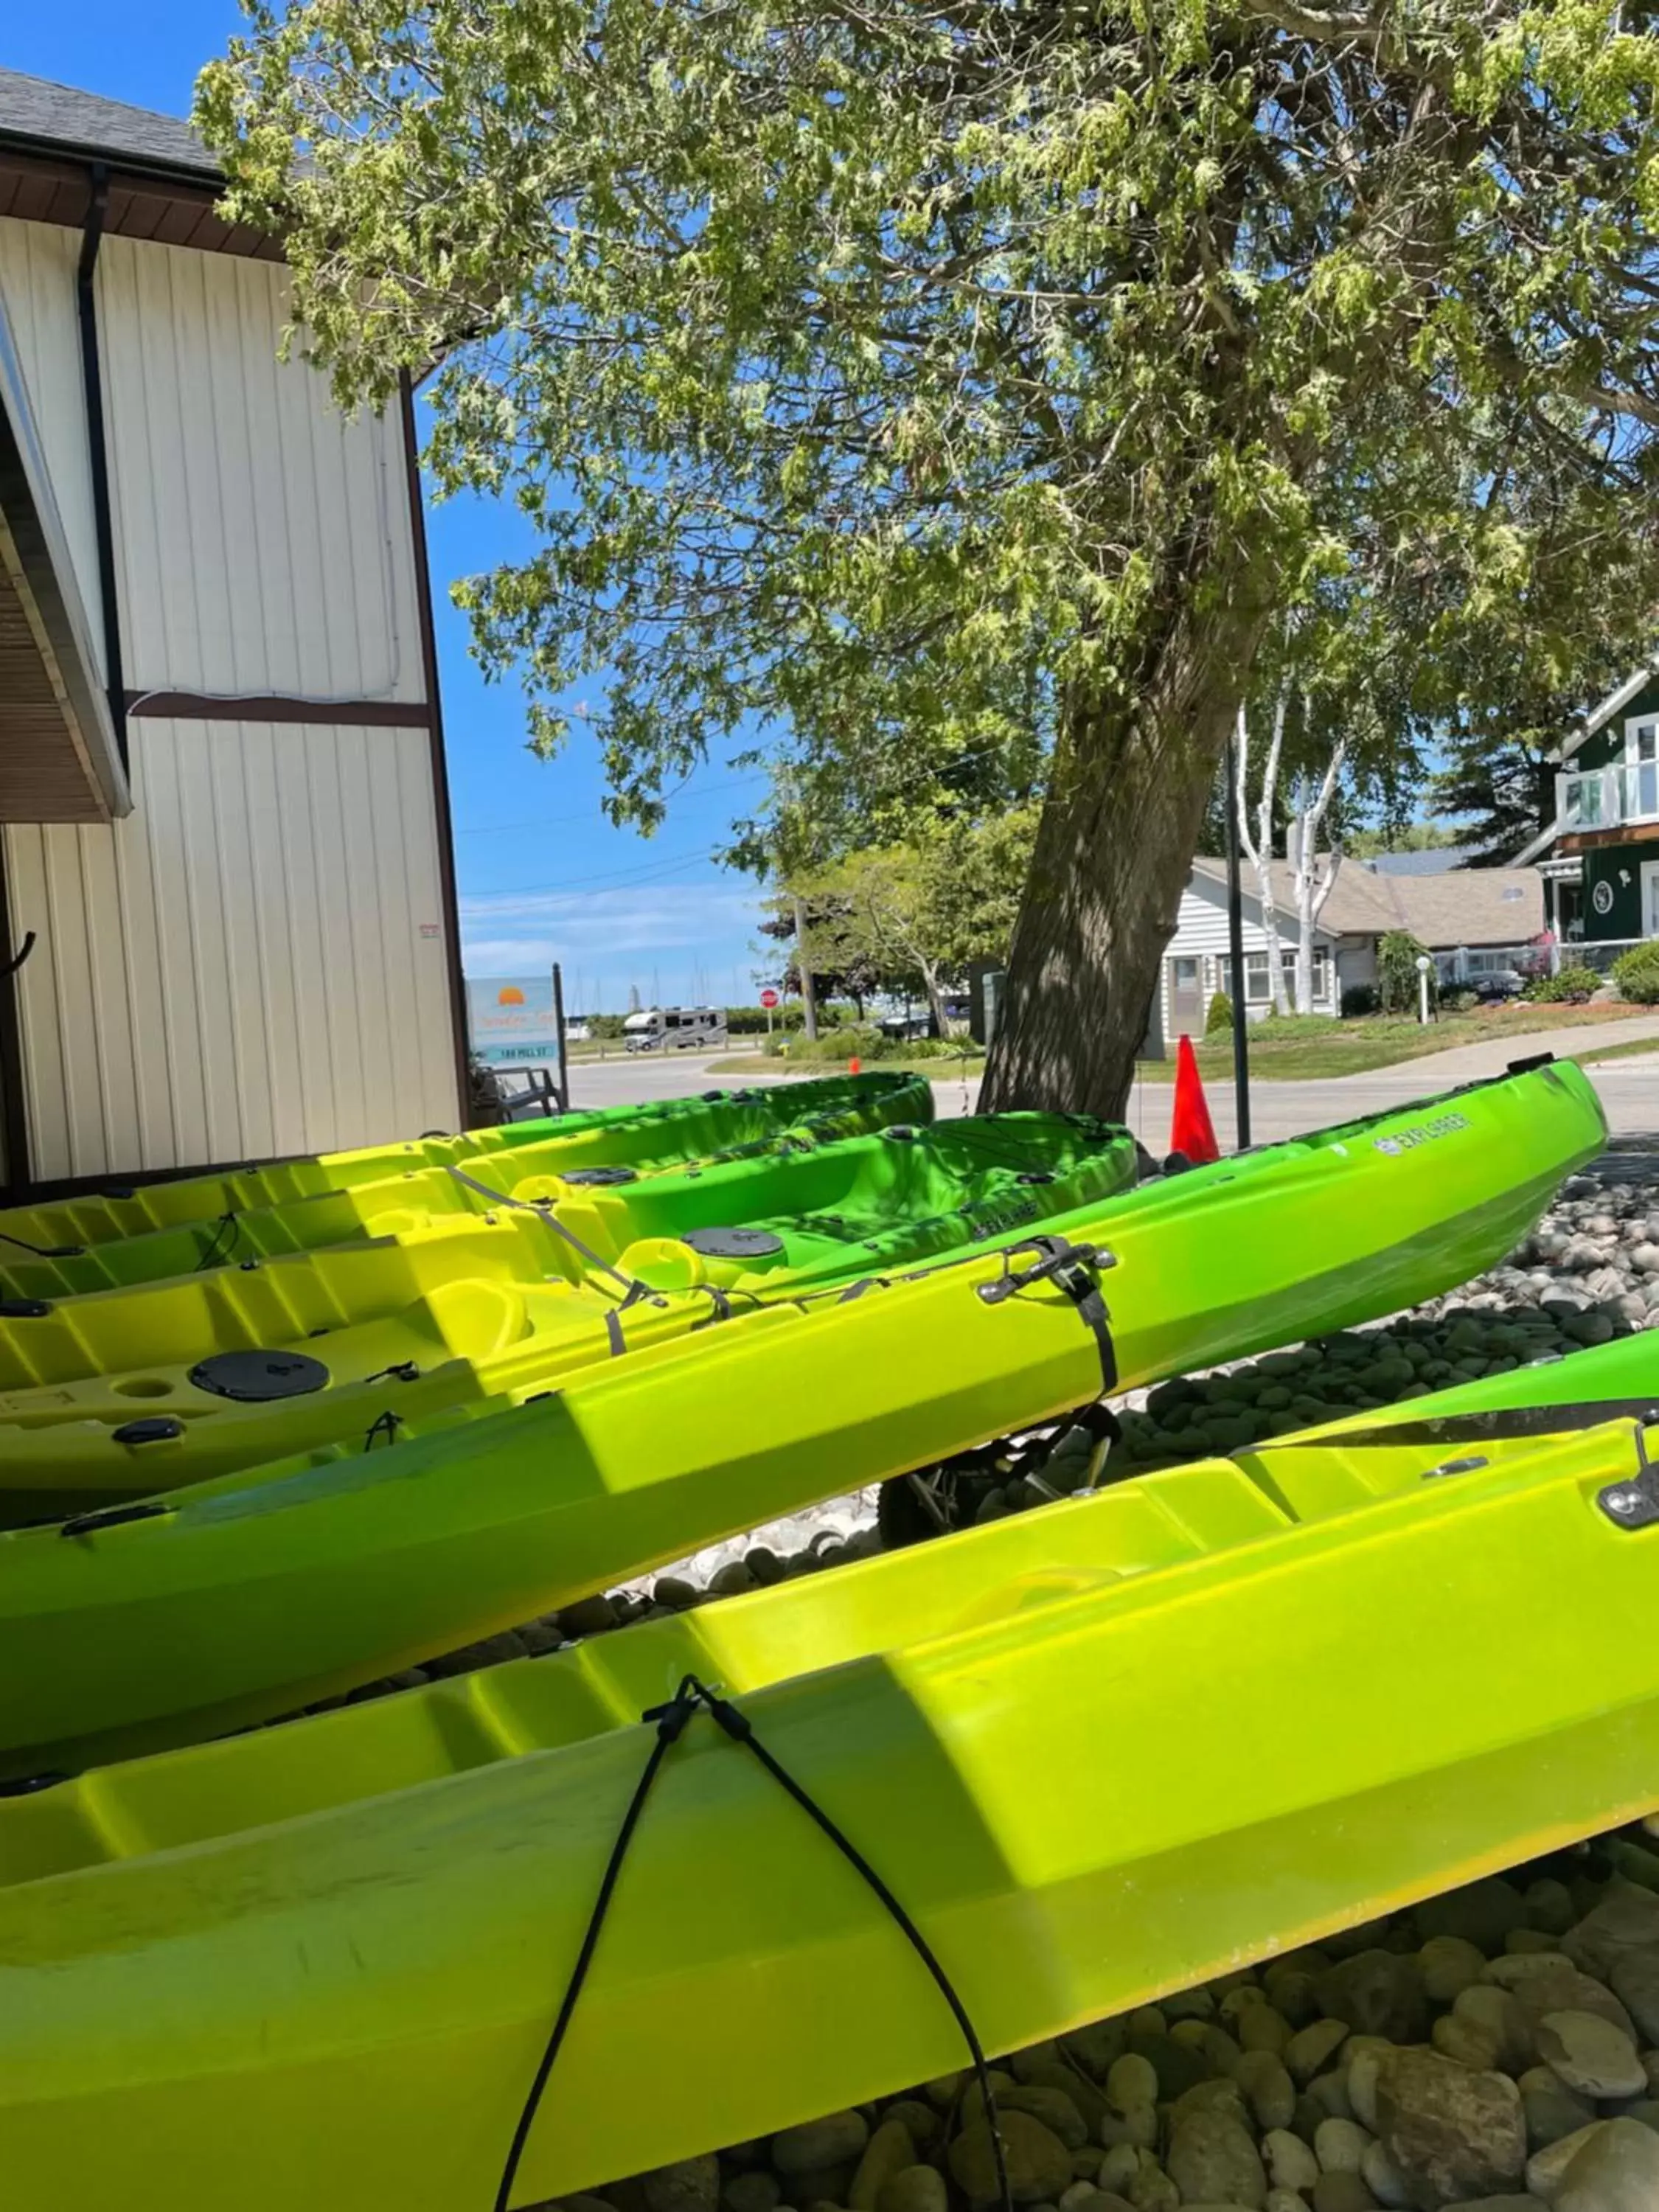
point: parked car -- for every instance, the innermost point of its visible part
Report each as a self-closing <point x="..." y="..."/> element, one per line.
<point x="1501" y="984"/>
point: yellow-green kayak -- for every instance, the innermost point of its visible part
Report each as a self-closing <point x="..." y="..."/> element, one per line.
<point x="237" y="1365"/>
<point x="1097" y="1753"/>
<point x="132" y="1236"/>
<point x="204" y="1609"/>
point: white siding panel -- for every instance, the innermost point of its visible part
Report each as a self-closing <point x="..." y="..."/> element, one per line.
<point x="239" y="968"/>
<point x="37" y="284"/>
<point x="262" y="538"/>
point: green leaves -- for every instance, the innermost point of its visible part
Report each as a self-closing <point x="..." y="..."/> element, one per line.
<point x="889" y="387"/>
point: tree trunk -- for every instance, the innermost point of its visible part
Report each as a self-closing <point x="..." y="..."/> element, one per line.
<point x="1114" y="852"/>
<point x="1260" y="848"/>
<point x="935" y="998"/>
<point x="808" y="996"/>
<point x="1304" y="899"/>
<point x="1310" y="893"/>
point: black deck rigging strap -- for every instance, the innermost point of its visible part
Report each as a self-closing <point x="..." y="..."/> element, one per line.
<point x="671" y="1720"/>
<point x="43" y="1251"/>
<point x="1076" y="1270"/>
<point x="634" y="1287"/>
<point x="217" y="1247"/>
<point x="542" y="1209"/>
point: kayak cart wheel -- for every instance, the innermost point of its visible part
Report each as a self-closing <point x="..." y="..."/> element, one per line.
<point x="253" y="1378"/>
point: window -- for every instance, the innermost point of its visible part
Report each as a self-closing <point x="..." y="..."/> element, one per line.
<point x="1256" y="993"/>
<point x="1641" y="769"/>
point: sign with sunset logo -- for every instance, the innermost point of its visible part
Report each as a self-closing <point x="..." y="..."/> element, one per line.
<point x="510" y="1018"/>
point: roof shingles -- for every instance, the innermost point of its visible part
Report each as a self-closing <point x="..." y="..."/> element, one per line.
<point x="1459" y="906"/>
<point x="36" y="111"/>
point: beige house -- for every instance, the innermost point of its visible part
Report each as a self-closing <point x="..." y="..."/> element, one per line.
<point x="228" y="906"/>
<point x="1476" y="922"/>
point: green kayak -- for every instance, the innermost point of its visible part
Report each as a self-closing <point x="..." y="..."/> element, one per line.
<point x="228" y="1367"/>
<point x="203" y="1609"/>
<point x="117" y="1238"/>
<point x="1616" y="1382"/>
<point x="1098" y="1754"/>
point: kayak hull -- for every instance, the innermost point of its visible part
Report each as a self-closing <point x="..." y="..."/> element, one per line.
<point x="238" y="1600"/>
<point x="1100" y="1752"/>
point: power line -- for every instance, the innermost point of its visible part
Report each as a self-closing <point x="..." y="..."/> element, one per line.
<point x="652" y="872"/>
<point x="584" y="816"/>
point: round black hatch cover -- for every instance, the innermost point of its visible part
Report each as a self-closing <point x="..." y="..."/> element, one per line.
<point x="600" y="1174"/>
<point x="733" y="1243"/>
<point x="901" y="1133"/>
<point x="250" y="1378"/>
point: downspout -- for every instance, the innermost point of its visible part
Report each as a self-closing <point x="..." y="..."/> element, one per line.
<point x="92" y="379"/>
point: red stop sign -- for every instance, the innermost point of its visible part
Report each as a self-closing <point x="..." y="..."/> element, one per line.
<point x="768" y="999"/>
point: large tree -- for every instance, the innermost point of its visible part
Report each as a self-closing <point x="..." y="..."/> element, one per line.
<point x="953" y="393"/>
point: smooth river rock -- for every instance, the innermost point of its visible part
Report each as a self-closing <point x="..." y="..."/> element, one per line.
<point x="1451" y="2132"/>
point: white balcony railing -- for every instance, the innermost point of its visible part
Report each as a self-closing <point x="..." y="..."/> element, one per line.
<point x="1605" y="798"/>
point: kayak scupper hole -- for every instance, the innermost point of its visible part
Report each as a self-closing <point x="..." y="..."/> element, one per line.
<point x="142" y="1385"/>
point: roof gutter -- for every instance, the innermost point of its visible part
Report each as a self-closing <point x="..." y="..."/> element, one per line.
<point x="205" y="175"/>
<point x="92" y="379"/>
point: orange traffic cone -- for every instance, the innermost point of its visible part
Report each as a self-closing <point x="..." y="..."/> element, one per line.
<point x="1192" y="1133"/>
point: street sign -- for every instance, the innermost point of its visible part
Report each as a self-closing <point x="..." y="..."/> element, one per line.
<point x="768" y="999"/>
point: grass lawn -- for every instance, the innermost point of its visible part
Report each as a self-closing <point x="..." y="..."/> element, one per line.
<point x="1308" y="1047"/>
<point x="1643" y="1047"/>
<point x="941" y="1068"/>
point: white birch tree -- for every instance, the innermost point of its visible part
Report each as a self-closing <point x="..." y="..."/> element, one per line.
<point x="1310" y="886"/>
<point x="1259" y="846"/>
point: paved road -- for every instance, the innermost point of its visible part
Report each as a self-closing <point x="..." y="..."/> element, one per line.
<point x="1629" y="1088"/>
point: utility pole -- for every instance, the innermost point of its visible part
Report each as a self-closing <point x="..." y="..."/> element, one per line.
<point x="558" y="1032"/>
<point x="809" y="1003"/>
<point x="1236" y="948"/>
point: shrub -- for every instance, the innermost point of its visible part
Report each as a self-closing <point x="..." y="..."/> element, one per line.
<point x="1637" y="974"/>
<point x="1220" y="1016"/>
<point x="838" y="1046"/>
<point x="1397" y="976"/>
<point x="1458" y="1002"/>
<point x="1358" y="999"/>
<point x="1569" y="986"/>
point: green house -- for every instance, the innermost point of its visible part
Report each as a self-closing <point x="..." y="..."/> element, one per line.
<point x="1600" y="857"/>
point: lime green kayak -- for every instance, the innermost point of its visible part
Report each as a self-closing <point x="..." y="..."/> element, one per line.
<point x="325" y="1959"/>
<point x="115" y="1239"/>
<point x="205" y="1609"/>
<point x="221" y="1370"/>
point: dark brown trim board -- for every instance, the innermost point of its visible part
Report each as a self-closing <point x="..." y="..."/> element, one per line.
<point x="92" y="384"/>
<point x="435" y="730"/>
<point x="1592" y="841"/>
<point x="15" y="1159"/>
<point x="271" y="707"/>
<point x="41" y="184"/>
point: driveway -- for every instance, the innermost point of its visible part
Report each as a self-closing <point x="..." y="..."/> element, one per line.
<point x="1629" y="1088"/>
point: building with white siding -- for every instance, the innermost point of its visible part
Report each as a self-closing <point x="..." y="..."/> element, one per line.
<point x="223" y="819"/>
<point x="1476" y="922"/>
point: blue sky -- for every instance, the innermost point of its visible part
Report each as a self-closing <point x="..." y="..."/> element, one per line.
<point x="542" y="876"/>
